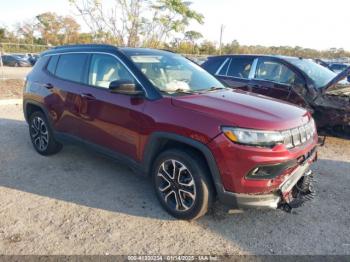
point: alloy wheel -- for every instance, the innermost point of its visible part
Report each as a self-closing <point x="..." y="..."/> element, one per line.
<point x="176" y="185"/>
<point x="39" y="133"/>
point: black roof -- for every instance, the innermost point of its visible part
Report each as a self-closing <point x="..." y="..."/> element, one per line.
<point x="255" y="56"/>
<point x="103" y="47"/>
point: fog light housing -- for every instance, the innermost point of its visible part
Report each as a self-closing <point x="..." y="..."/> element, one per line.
<point x="270" y="171"/>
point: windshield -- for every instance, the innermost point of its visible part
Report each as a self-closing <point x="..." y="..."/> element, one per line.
<point x="172" y="73"/>
<point x="320" y="75"/>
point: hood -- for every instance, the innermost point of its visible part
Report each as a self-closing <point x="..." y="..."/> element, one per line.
<point x="341" y="76"/>
<point x="242" y="109"/>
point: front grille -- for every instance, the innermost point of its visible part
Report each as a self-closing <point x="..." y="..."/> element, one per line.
<point x="300" y="135"/>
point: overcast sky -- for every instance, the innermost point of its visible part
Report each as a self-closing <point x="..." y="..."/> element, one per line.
<point x="319" y="24"/>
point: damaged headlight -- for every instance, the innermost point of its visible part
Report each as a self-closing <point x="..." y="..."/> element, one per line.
<point x="253" y="137"/>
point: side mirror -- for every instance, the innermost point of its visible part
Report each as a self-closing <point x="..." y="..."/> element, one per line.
<point x="125" y="87"/>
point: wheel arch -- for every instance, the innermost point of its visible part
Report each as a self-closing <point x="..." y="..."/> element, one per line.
<point x="160" y="141"/>
<point x="30" y="106"/>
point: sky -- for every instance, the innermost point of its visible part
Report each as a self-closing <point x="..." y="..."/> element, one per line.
<point x="321" y="24"/>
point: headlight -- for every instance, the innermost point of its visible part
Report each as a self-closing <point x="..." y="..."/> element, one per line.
<point x="253" y="137"/>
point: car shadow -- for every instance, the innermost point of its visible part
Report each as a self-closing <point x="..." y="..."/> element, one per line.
<point x="85" y="178"/>
<point x="75" y="175"/>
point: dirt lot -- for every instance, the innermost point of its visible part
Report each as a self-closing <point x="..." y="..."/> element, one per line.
<point x="8" y="72"/>
<point x="78" y="202"/>
<point x="12" y="81"/>
<point x="11" y="88"/>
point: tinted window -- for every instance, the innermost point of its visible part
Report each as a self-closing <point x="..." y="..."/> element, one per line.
<point x="213" y="64"/>
<point x="71" y="67"/>
<point x="275" y="71"/>
<point x="240" y="67"/>
<point x="338" y="67"/>
<point x="224" y="67"/>
<point x="51" y="66"/>
<point x="104" y="69"/>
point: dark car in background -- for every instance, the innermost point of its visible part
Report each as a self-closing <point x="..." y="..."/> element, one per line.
<point x="337" y="67"/>
<point x="15" y="60"/>
<point x="296" y="80"/>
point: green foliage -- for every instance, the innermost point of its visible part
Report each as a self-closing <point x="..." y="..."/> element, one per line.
<point x="137" y="22"/>
<point x="2" y="33"/>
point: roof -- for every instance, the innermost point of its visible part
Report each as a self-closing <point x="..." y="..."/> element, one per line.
<point x="104" y="47"/>
<point x="256" y="55"/>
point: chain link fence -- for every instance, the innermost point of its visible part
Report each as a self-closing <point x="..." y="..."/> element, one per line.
<point x="22" y="48"/>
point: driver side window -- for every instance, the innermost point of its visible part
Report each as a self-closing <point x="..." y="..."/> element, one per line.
<point x="105" y="69"/>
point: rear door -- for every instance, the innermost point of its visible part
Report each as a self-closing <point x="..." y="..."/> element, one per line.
<point x="65" y="81"/>
<point x="236" y="71"/>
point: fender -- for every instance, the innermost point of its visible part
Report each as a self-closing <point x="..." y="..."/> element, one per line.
<point x="27" y="102"/>
<point x="154" y="144"/>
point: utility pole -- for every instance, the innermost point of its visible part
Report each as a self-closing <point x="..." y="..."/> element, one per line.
<point x="221" y="35"/>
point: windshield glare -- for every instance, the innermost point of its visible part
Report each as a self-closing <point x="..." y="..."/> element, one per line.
<point x="172" y="73"/>
<point x="320" y="75"/>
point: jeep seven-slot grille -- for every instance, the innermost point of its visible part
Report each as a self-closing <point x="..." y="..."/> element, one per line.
<point x="300" y="135"/>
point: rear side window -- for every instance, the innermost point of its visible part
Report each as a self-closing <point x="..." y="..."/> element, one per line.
<point x="71" y="67"/>
<point x="213" y="64"/>
<point x="51" y="66"/>
<point x="240" y="67"/>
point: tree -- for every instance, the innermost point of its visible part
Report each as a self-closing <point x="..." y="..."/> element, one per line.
<point x="27" y="30"/>
<point x="2" y="34"/>
<point x="70" y="30"/>
<point x="56" y="30"/>
<point x="137" y="22"/>
<point x="208" y="48"/>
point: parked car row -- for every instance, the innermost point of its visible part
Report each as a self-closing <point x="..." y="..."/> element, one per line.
<point x="303" y="82"/>
<point x="169" y="119"/>
<point x="19" y="60"/>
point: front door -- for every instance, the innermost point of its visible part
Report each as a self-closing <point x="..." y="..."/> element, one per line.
<point x="275" y="79"/>
<point x="108" y="119"/>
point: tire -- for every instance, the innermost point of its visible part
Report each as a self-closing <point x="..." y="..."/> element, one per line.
<point x="188" y="192"/>
<point x="16" y="65"/>
<point x="41" y="135"/>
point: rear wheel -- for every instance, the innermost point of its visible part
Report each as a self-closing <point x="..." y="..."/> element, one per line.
<point x="182" y="184"/>
<point x="41" y="135"/>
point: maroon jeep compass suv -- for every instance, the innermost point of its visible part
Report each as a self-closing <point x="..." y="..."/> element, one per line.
<point x="167" y="118"/>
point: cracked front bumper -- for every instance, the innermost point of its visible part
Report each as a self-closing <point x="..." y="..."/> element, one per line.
<point x="272" y="200"/>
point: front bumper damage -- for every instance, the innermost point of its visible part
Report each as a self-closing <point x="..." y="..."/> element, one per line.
<point x="293" y="192"/>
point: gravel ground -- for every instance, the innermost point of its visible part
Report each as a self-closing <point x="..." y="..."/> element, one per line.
<point x="78" y="202"/>
<point x="11" y="88"/>
<point x="12" y="81"/>
<point x="8" y="72"/>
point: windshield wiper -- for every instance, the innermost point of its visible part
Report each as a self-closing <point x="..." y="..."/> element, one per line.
<point x="178" y="91"/>
<point x="214" y="88"/>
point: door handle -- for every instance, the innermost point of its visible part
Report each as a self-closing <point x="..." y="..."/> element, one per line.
<point x="48" y="86"/>
<point x="87" y="96"/>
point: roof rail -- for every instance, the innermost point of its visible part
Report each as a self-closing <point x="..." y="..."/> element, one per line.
<point x="83" y="45"/>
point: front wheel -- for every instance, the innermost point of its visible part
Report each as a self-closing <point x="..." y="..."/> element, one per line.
<point x="41" y="135"/>
<point x="182" y="184"/>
